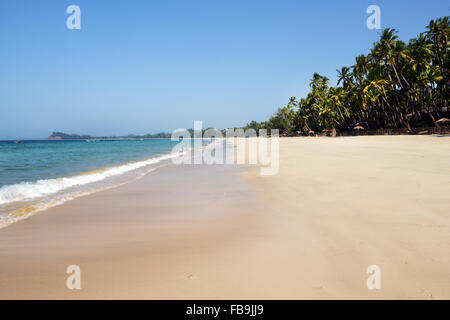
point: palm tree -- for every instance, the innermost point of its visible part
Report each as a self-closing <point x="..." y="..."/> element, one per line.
<point x="396" y="85"/>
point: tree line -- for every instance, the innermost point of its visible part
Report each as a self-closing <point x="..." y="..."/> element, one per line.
<point x="66" y="136"/>
<point x="396" y="85"/>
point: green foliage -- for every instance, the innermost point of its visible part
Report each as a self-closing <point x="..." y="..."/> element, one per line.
<point x="396" y="85"/>
<point x="65" y="136"/>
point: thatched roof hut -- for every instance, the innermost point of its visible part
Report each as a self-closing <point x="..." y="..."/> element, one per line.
<point x="443" y="120"/>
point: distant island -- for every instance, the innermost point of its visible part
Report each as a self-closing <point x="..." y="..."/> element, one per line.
<point x="66" y="136"/>
<point x="160" y="135"/>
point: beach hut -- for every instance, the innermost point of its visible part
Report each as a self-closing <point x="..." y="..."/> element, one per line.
<point x="443" y="121"/>
<point x="358" y="128"/>
<point x="334" y="132"/>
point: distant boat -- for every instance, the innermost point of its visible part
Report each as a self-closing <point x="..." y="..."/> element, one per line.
<point x="17" y="141"/>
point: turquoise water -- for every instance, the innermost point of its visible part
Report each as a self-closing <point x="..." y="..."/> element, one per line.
<point x="37" y="175"/>
<point x="34" y="160"/>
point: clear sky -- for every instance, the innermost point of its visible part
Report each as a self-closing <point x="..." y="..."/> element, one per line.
<point x="149" y="66"/>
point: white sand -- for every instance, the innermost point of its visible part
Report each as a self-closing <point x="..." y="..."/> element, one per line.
<point x="337" y="206"/>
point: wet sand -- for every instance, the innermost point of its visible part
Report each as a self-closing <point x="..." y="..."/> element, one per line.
<point x="336" y="206"/>
<point x="164" y="236"/>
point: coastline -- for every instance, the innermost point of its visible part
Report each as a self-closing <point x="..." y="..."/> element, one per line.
<point x="149" y="239"/>
<point x="42" y="194"/>
<point x="225" y="232"/>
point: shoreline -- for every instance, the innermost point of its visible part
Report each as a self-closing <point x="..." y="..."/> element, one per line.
<point x="118" y="236"/>
<point x="44" y="201"/>
<point x="225" y="232"/>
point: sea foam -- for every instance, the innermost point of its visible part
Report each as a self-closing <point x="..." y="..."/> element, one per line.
<point x="27" y="191"/>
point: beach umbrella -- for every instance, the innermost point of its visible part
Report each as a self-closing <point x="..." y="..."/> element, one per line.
<point x="443" y="120"/>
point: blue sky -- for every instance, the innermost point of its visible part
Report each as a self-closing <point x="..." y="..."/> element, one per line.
<point x="149" y="66"/>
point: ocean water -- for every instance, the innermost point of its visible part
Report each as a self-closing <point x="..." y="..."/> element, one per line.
<point x="37" y="175"/>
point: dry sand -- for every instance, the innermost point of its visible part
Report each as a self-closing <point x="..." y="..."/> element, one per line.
<point x="336" y="206"/>
<point x="346" y="203"/>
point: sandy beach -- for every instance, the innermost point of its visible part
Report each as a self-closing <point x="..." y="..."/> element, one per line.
<point x="337" y="206"/>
